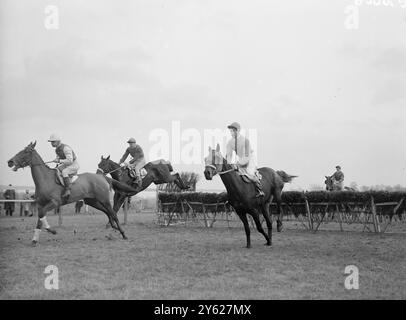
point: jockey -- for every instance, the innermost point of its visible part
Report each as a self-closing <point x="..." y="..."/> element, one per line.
<point x="338" y="179"/>
<point x="138" y="160"/>
<point x="67" y="161"/>
<point x="244" y="159"/>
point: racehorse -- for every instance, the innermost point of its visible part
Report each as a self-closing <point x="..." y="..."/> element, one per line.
<point x="158" y="172"/>
<point x="92" y="188"/>
<point x="331" y="186"/>
<point x="242" y="195"/>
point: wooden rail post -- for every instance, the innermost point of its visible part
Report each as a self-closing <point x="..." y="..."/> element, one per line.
<point x="204" y="215"/>
<point x="309" y="215"/>
<point x="157" y="199"/>
<point x="374" y="216"/>
<point x="340" y="218"/>
<point x="398" y="205"/>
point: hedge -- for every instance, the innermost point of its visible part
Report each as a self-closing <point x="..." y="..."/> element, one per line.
<point x="293" y="197"/>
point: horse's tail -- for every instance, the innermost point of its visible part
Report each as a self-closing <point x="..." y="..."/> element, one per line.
<point x="285" y="177"/>
<point x="121" y="187"/>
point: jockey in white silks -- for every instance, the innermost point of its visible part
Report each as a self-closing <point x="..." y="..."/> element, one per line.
<point x="244" y="158"/>
<point x="66" y="158"/>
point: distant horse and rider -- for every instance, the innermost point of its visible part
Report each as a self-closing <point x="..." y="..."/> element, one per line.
<point x="335" y="182"/>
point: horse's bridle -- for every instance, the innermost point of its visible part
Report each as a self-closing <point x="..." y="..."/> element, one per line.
<point x="215" y="168"/>
<point x="24" y="164"/>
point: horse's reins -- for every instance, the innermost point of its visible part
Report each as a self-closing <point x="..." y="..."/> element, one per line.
<point x="106" y="173"/>
<point x="215" y="168"/>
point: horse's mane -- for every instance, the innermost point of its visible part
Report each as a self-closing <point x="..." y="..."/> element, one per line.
<point x="40" y="158"/>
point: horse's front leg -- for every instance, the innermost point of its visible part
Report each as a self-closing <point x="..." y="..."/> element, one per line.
<point x="179" y="182"/>
<point x="119" y="199"/>
<point x="42" y="221"/>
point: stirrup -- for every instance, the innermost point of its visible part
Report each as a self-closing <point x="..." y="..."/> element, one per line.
<point x="260" y="194"/>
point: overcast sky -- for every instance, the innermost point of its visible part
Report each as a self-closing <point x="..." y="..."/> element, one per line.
<point x="317" y="93"/>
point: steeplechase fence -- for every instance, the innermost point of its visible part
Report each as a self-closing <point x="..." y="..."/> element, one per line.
<point x="373" y="211"/>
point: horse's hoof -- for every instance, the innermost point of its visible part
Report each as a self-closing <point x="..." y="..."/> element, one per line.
<point x="267" y="244"/>
<point x="125" y="237"/>
<point x="34" y="243"/>
<point x="248" y="247"/>
<point x="51" y="230"/>
<point x="279" y="228"/>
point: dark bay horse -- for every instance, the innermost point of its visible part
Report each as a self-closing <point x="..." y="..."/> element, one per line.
<point x="331" y="186"/>
<point x="158" y="172"/>
<point x="242" y="195"/>
<point x="93" y="188"/>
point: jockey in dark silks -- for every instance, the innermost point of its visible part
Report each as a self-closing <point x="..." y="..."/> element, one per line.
<point x="338" y="179"/>
<point x="137" y="162"/>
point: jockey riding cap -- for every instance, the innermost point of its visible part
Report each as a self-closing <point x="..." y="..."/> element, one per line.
<point x="131" y="140"/>
<point x="234" y="125"/>
<point x="54" y="137"/>
<point x="338" y="167"/>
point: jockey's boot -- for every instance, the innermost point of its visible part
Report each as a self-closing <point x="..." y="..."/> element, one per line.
<point x="66" y="192"/>
<point x="258" y="189"/>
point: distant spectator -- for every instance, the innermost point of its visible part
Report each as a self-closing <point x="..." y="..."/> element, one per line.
<point x="78" y="206"/>
<point x="9" y="194"/>
<point x="27" y="205"/>
<point x="129" y="202"/>
<point x="33" y="206"/>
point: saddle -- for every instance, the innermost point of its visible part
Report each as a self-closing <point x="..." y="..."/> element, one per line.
<point x="59" y="178"/>
<point x="132" y="174"/>
<point x="246" y="177"/>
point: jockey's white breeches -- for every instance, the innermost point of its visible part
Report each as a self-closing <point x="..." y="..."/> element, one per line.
<point x="251" y="167"/>
<point x="68" y="169"/>
<point x="137" y="165"/>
